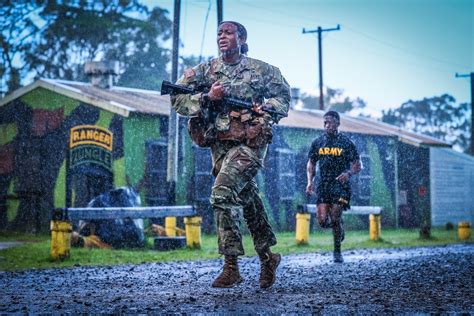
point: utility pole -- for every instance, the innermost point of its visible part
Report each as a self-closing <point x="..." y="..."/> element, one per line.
<point x="471" y="75"/>
<point x="320" y="30"/>
<point x="172" y="166"/>
<point x="219" y="12"/>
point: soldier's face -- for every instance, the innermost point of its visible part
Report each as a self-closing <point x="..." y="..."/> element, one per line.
<point x="330" y="124"/>
<point x="228" y="39"/>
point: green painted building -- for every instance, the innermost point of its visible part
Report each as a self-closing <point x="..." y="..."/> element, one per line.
<point x="35" y="125"/>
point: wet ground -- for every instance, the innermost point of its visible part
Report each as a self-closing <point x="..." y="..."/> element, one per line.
<point x="406" y="281"/>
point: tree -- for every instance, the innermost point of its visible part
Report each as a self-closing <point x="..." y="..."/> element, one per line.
<point x="58" y="37"/>
<point x="438" y="116"/>
<point x="333" y="100"/>
<point x="16" y="31"/>
<point x="188" y="62"/>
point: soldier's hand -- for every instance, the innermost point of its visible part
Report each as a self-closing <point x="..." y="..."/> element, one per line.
<point x="310" y="189"/>
<point x="343" y="177"/>
<point x="217" y="91"/>
<point x="259" y="108"/>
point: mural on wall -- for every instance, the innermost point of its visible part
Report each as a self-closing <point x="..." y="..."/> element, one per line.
<point x="32" y="174"/>
<point x="414" y="178"/>
<point x="282" y="181"/>
<point x="285" y="176"/>
<point x="33" y="141"/>
<point x="89" y="163"/>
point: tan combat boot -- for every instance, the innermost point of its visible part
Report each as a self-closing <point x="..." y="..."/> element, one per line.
<point x="230" y="274"/>
<point x="268" y="265"/>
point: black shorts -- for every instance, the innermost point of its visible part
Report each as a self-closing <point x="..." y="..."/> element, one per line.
<point x="334" y="192"/>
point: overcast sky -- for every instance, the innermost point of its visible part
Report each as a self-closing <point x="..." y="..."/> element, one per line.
<point x="387" y="51"/>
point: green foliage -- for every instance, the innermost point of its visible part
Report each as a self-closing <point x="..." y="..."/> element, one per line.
<point x="333" y="100"/>
<point x="54" y="39"/>
<point x="188" y="62"/>
<point x="17" y="30"/>
<point x="438" y="116"/>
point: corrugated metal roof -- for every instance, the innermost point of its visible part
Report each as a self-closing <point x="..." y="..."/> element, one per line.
<point x="122" y="101"/>
<point x="404" y="135"/>
<point x="117" y="99"/>
<point x="361" y="125"/>
<point x="143" y="101"/>
<point x="314" y="119"/>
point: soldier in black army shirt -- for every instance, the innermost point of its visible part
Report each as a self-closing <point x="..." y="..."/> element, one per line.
<point x="338" y="161"/>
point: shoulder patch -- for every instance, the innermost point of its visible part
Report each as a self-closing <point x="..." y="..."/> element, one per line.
<point x="188" y="73"/>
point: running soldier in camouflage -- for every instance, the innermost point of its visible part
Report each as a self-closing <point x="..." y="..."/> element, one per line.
<point x="238" y="140"/>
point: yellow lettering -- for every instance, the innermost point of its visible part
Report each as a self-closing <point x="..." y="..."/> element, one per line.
<point x="339" y="151"/>
<point x="93" y="136"/>
<point x="326" y="150"/>
<point x="333" y="151"/>
<point x="321" y="151"/>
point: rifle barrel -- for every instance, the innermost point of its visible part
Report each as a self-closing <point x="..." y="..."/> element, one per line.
<point x="173" y="89"/>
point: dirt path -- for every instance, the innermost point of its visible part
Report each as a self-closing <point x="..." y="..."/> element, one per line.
<point x="435" y="279"/>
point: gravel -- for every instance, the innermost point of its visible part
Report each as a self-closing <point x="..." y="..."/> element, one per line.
<point x="377" y="281"/>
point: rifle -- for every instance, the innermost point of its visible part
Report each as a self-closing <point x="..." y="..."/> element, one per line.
<point x="174" y="89"/>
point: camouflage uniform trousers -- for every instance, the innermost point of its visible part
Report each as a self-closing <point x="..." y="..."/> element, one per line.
<point x="235" y="190"/>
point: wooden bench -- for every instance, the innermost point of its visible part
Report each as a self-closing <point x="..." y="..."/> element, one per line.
<point x="304" y="212"/>
<point x="61" y="227"/>
<point x="354" y="210"/>
<point x="88" y="213"/>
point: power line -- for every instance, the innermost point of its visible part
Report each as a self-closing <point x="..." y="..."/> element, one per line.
<point x="368" y="36"/>
<point x="402" y="49"/>
<point x="204" y="30"/>
<point x="397" y="59"/>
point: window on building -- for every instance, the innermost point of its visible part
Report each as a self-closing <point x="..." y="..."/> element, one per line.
<point x="363" y="180"/>
<point x="286" y="173"/>
<point x="203" y="178"/>
<point x="156" y="161"/>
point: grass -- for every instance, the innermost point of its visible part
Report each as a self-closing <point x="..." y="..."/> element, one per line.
<point x="35" y="252"/>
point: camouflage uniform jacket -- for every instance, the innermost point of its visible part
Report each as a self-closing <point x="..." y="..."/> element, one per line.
<point x="249" y="79"/>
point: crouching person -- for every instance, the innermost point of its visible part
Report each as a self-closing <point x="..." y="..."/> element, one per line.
<point x="111" y="233"/>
